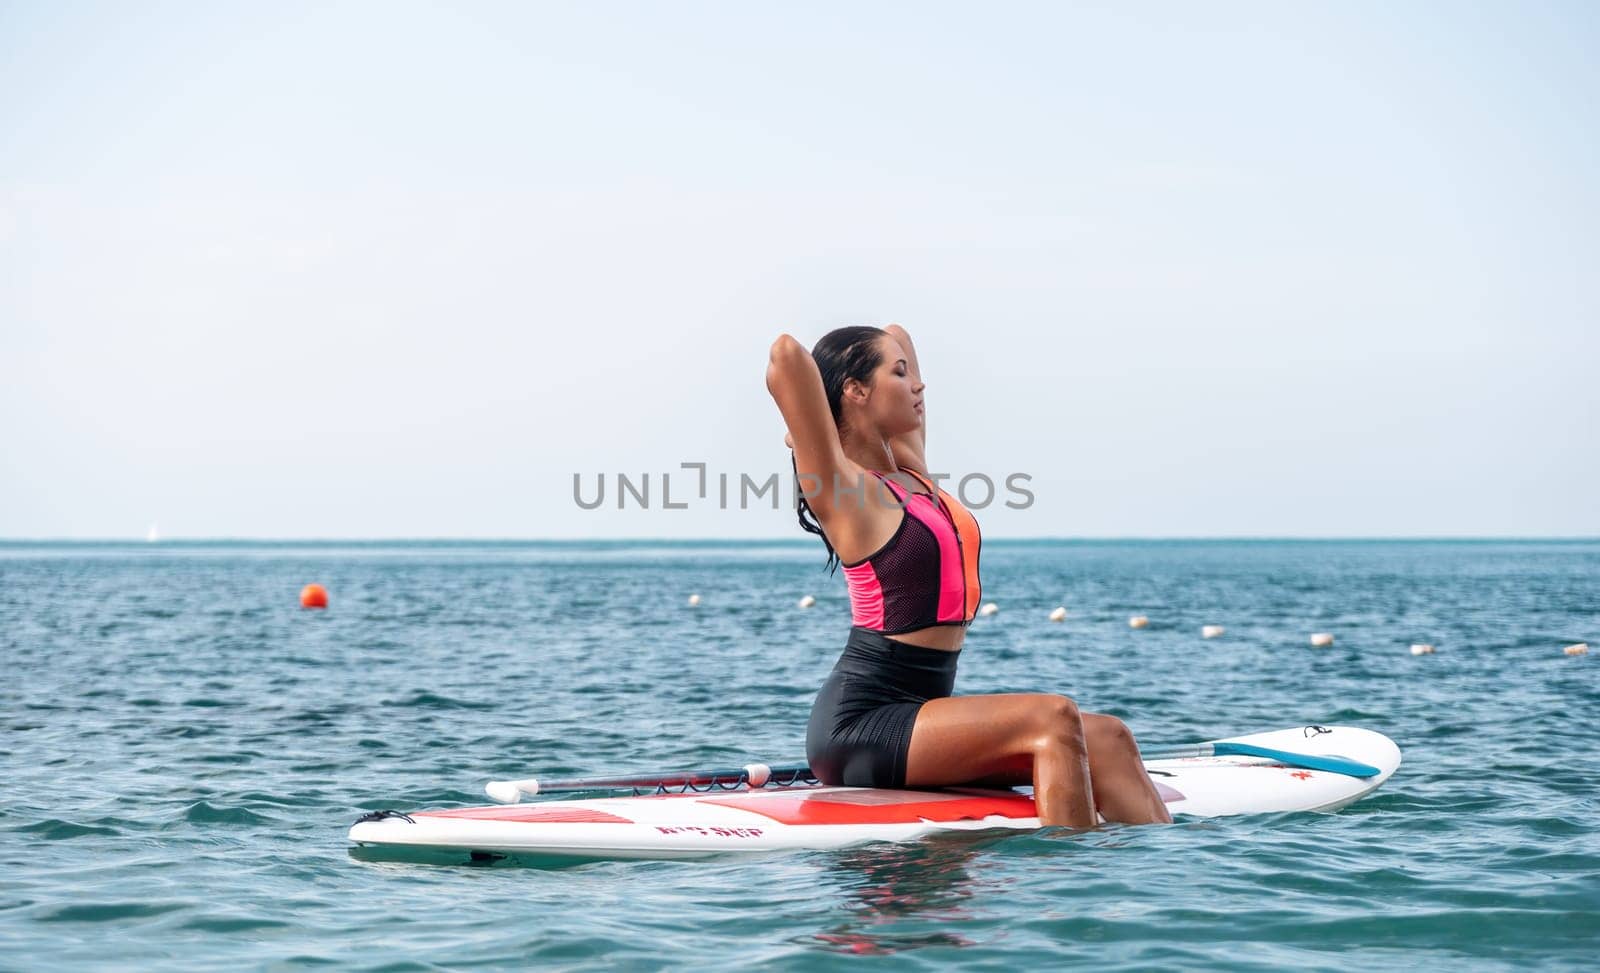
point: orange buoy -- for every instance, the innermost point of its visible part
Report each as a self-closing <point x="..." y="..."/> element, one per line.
<point x="313" y="596"/>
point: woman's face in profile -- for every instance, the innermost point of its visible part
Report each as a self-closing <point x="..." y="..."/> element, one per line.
<point x="895" y="403"/>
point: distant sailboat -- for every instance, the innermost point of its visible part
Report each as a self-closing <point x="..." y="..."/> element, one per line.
<point x="152" y="535"/>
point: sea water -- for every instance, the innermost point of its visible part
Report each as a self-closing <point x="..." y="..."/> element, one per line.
<point x="184" y="749"/>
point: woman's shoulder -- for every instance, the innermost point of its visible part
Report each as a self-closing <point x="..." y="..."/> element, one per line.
<point x="916" y="481"/>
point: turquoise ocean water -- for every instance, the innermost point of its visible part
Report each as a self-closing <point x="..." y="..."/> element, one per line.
<point x="184" y="749"/>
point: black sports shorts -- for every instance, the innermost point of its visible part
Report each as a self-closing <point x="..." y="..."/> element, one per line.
<point x="860" y="729"/>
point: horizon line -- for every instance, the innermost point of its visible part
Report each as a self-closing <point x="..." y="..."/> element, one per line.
<point x="444" y="539"/>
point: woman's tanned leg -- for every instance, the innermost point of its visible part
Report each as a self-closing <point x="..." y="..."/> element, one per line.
<point x="960" y="739"/>
<point x="1122" y="790"/>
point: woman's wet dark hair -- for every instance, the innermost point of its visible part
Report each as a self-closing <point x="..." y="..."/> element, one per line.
<point x="841" y="354"/>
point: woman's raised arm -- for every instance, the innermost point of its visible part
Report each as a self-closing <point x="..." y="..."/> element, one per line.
<point x="796" y="385"/>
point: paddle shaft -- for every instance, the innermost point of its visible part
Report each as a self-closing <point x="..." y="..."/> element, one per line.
<point x="759" y="775"/>
<point x="754" y="775"/>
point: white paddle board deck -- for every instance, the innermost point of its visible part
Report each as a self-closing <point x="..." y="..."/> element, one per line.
<point x="695" y="825"/>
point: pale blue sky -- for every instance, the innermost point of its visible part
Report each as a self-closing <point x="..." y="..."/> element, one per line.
<point x="382" y="270"/>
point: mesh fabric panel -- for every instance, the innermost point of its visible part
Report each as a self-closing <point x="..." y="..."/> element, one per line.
<point x="909" y="574"/>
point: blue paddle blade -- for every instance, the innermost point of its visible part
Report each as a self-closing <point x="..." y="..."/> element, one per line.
<point x="1336" y="765"/>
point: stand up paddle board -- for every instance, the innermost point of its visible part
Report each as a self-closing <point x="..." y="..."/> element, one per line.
<point x="1310" y="768"/>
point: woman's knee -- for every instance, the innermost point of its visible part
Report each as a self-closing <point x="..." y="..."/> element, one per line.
<point x="1060" y="724"/>
<point x="1108" y="731"/>
<point x="1111" y="743"/>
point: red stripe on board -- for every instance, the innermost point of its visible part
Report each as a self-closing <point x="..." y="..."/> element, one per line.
<point x="841" y="809"/>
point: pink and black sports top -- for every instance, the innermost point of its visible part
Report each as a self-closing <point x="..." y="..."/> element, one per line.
<point x="927" y="574"/>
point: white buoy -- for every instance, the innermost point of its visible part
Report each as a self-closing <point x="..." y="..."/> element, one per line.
<point x="1211" y="631"/>
<point x="988" y="609"/>
<point x="1059" y="615"/>
<point x="807" y="601"/>
<point x="1582" y="648"/>
<point x="1138" y="621"/>
<point x="1321" y="640"/>
<point x="694" y="600"/>
<point x="1420" y="649"/>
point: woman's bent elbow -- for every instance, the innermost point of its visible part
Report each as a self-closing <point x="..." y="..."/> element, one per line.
<point x="785" y="345"/>
<point x="786" y="361"/>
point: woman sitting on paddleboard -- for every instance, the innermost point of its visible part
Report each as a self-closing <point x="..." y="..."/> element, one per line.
<point x="885" y="716"/>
